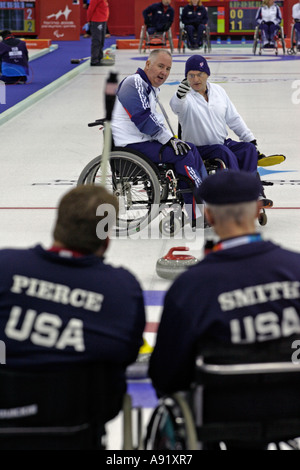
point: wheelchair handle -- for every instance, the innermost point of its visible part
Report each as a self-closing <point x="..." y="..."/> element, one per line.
<point x="97" y="122"/>
<point x="254" y="368"/>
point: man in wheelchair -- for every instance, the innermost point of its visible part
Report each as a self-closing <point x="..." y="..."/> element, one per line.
<point x="244" y="292"/>
<point x="194" y="18"/>
<point x="158" y="17"/>
<point x="136" y="124"/>
<point x="204" y="112"/>
<point x="269" y="17"/>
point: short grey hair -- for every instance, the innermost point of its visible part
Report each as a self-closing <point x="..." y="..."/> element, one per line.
<point x="153" y="54"/>
<point x="238" y="213"/>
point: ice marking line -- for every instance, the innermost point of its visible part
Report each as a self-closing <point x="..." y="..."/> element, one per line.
<point x="27" y="208"/>
<point x="151" y="327"/>
<point x="154" y="297"/>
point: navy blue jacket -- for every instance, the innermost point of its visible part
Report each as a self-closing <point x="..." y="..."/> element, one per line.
<point x="13" y="57"/>
<point x="156" y="15"/>
<point x="194" y="15"/>
<point x="241" y="295"/>
<point x="57" y="310"/>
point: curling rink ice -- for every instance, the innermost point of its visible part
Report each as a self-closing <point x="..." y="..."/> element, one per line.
<point x="44" y="148"/>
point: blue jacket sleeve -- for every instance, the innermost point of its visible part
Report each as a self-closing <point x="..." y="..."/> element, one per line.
<point x="134" y="97"/>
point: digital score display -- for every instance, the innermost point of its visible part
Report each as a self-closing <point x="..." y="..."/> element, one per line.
<point x="18" y="17"/>
<point x="242" y="15"/>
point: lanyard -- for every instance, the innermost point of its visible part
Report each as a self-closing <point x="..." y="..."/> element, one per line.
<point x="233" y="242"/>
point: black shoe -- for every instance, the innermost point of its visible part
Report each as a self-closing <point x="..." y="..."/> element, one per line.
<point x="96" y="64"/>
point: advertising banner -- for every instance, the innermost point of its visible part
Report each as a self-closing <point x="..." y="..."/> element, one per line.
<point x="59" y="20"/>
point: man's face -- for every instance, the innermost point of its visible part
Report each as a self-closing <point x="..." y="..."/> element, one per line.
<point x="166" y="2"/>
<point x="158" y="69"/>
<point x="197" y="80"/>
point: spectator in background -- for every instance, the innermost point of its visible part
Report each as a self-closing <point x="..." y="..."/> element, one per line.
<point x="13" y="59"/>
<point x="194" y="17"/>
<point x="159" y="17"/>
<point x="268" y="17"/>
<point x="296" y="18"/>
<point x="97" y="16"/>
<point x="86" y="27"/>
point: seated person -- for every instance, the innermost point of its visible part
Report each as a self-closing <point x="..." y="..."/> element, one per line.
<point x="268" y="17"/>
<point x="59" y="305"/>
<point x="194" y="17"/>
<point x="206" y="125"/>
<point x="136" y="124"/>
<point x="208" y="301"/>
<point x="236" y="295"/>
<point x="296" y="18"/>
<point x="13" y="59"/>
<point x="159" y="17"/>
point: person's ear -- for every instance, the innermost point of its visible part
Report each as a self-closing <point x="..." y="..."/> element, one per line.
<point x="258" y="208"/>
<point x="209" y="216"/>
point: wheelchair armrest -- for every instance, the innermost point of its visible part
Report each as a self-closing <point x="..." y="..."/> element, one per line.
<point x="251" y="368"/>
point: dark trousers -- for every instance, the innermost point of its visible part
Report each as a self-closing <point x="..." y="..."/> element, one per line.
<point x="195" y="39"/>
<point x="190" y="165"/>
<point x="269" y="31"/>
<point x="235" y="155"/>
<point x="97" y="31"/>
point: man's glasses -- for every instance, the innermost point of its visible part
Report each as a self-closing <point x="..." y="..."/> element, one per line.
<point x="191" y="76"/>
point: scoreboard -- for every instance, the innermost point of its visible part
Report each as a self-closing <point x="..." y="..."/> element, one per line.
<point x="231" y="16"/>
<point x="18" y="17"/>
<point x="242" y="15"/>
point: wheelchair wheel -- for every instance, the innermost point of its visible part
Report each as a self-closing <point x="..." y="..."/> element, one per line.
<point x="135" y="182"/>
<point x="170" y="38"/>
<point x="262" y="218"/>
<point x="181" y="44"/>
<point x="142" y="37"/>
<point x="171" y="426"/>
<point x="208" y="43"/>
<point x="171" y="224"/>
<point x="283" y="44"/>
<point x="255" y="40"/>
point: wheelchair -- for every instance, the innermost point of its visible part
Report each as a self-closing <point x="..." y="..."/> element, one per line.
<point x="244" y="397"/>
<point x="157" y="40"/>
<point x="279" y="41"/>
<point x="183" y="39"/>
<point x="145" y="189"/>
<point x="60" y="409"/>
<point x="293" y="49"/>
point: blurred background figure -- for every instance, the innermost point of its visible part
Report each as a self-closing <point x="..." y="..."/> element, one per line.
<point x="296" y="18"/>
<point x="194" y="17"/>
<point x="97" y="16"/>
<point x="268" y="17"/>
<point x="13" y="59"/>
<point x="159" y="17"/>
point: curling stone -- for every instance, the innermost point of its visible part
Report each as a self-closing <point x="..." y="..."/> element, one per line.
<point x="170" y="266"/>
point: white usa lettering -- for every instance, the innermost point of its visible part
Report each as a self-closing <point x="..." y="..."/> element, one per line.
<point x="265" y="326"/>
<point x="45" y="329"/>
